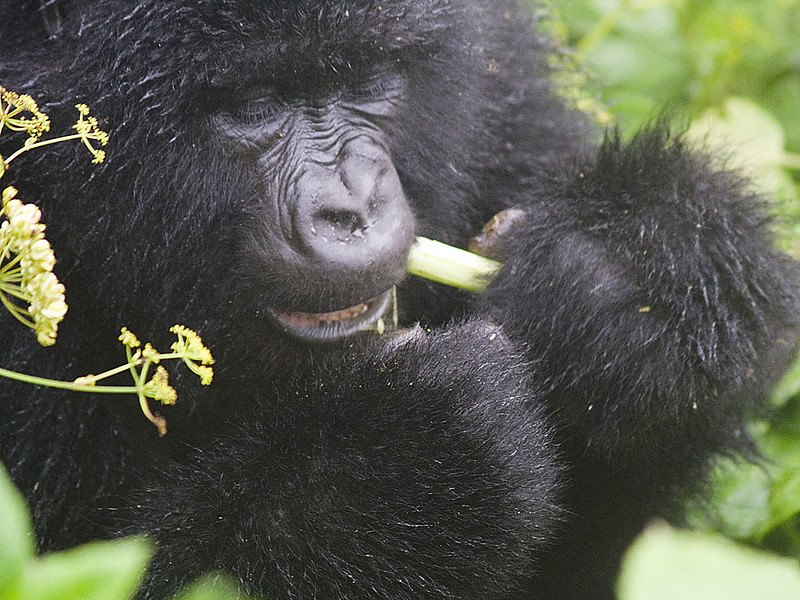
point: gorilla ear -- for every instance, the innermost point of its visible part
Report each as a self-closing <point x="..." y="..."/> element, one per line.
<point x="50" y="13"/>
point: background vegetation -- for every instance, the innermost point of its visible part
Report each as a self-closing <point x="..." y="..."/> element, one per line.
<point x="729" y="70"/>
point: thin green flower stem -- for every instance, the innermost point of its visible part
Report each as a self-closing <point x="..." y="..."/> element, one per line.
<point x="142" y="379"/>
<point x="67" y="385"/>
<point x="66" y="138"/>
<point x="16" y="311"/>
<point x="12" y="263"/>
<point x="11" y="280"/>
<point x="193" y="366"/>
<point x="170" y="356"/>
<point x="13" y="290"/>
<point x="19" y="124"/>
<point x="10" y="272"/>
<point x="159" y="422"/>
<point x="6" y="247"/>
<point x="15" y="110"/>
<point x="134" y="360"/>
<point x="111" y="372"/>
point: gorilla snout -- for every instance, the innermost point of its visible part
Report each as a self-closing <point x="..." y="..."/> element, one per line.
<point x="346" y="244"/>
<point x="351" y="224"/>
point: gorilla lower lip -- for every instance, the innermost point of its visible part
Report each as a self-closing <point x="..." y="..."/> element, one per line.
<point x="336" y="325"/>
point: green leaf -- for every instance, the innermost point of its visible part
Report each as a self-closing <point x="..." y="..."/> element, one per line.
<point x="741" y="500"/>
<point x="785" y="498"/>
<point x="108" y="570"/>
<point x="755" y="138"/>
<point x="17" y="544"/>
<point x="213" y="586"/>
<point x="667" y="564"/>
<point x="789" y="385"/>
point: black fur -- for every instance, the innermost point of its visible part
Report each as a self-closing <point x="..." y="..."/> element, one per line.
<point x="643" y="313"/>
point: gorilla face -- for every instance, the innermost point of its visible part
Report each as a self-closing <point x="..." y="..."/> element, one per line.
<point x="327" y="115"/>
<point x="270" y="162"/>
<point x="332" y="210"/>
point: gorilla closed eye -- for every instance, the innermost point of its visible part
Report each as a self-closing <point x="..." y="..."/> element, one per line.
<point x="258" y="109"/>
<point x="380" y="85"/>
<point x="376" y="94"/>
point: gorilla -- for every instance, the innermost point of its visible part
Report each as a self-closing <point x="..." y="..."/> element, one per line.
<point x="270" y="165"/>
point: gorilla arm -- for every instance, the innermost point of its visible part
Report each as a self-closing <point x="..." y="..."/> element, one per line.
<point x="645" y="286"/>
<point x="359" y="483"/>
<point x="656" y="316"/>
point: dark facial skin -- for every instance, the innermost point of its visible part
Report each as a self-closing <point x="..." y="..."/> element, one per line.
<point x="334" y="212"/>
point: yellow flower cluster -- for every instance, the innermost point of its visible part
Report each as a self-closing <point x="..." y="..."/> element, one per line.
<point x="12" y="109"/>
<point x="21" y="113"/>
<point x="190" y="347"/>
<point x="159" y="389"/>
<point x="129" y="339"/>
<point x="89" y="129"/>
<point x="26" y="269"/>
<point x="33" y="294"/>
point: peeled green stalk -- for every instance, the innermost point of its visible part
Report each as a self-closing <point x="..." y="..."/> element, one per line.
<point x="451" y="266"/>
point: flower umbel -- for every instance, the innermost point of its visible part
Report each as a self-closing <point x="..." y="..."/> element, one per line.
<point x="21" y="113"/>
<point x="191" y="349"/>
<point x="33" y="294"/>
<point x="89" y="129"/>
<point x="28" y="287"/>
<point x="13" y="111"/>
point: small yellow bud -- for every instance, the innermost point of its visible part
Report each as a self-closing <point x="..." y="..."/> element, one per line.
<point x="150" y="353"/>
<point x="85" y="381"/>
<point x="8" y="194"/>
<point x="191" y="345"/>
<point x="89" y="129"/>
<point x="128" y="338"/>
<point x="206" y="375"/>
<point x="158" y="388"/>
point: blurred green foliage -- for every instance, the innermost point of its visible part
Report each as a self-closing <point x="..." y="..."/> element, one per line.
<point x="107" y="570"/>
<point x="97" y="571"/>
<point x="731" y="67"/>
<point x="729" y="70"/>
<point x="668" y="564"/>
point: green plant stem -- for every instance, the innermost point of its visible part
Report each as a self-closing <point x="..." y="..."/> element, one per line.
<point x="111" y="372"/>
<point x="14" y="291"/>
<point x="451" y="266"/>
<point x="65" y="138"/>
<point x="68" y="385"/>
<point x="18" y="313"/>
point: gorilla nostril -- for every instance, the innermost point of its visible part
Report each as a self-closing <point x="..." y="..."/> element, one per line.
<point x="341" y="223"/>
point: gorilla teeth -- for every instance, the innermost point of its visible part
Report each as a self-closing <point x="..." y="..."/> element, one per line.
<point x="336" y="325"/>
<point x="301" y="319"/>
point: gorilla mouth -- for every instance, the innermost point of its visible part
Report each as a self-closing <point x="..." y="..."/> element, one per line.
<point x="339" y="324"/>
